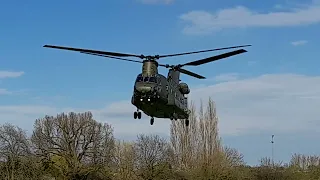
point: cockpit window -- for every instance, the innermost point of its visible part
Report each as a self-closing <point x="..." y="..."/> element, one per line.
<point x="146" y="79"/>
<point x="153" y="79"/>
<point x="139" y="78"/>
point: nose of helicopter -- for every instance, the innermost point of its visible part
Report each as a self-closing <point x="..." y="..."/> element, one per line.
<point x="144" y="87"/>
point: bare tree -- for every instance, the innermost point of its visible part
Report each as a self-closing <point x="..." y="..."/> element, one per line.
<point x="210" y="140"/>
<point x="267" y="162"/>
<point x="74" y="141"/>
<point x="151" y="156"/>
<point x="14" y="145"/>
<point x="124" y="161"/>
<point x="304" y="161"/>
<point x="184" y="141"/>
<point x="200" y="141"/>
<point x="198" y="148"/>
<point x="233" y="157"/>
<point x="13" y="141"/>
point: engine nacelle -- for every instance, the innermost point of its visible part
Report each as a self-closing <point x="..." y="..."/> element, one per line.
<point x="184" y="88"/>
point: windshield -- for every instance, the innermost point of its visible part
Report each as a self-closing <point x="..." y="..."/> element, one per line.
<point x="152" y="79"/>
<point x="146" y="79"/>
<point x="139" y="78"/>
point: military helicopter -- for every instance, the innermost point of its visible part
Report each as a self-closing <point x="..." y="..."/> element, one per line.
<point x="153" y="93"/>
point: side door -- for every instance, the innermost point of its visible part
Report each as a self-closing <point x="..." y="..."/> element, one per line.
<point x="161" y="86"/>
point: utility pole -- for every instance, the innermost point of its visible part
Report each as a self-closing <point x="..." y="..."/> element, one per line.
<point x="272" y="153"/>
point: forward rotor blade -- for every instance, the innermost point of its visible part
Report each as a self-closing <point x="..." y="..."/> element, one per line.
<point x="112" y="57"/>
<point x="191" y="73"/>
<point x="209" y="50"/>
<point x="93" y="51"/>
<point x="214" y="58"/>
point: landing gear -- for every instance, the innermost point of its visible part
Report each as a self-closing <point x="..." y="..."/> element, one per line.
<point x="137" y="114"/>
<point x="187" y="122"/>
<point x="152" y="121"/>
<point x="173" y="116"/>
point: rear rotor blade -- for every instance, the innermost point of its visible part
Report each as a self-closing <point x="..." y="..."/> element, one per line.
<point x="195" y="52"/>
<point x="191" y="73"/>
<point x="214" y="58"/>
<point x="123" y="59"/>
<point x="94" y="51"/>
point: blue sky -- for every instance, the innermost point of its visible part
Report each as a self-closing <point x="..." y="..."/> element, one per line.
<point x="272" y="89"/>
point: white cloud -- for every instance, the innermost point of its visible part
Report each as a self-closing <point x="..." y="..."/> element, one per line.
<point x="227" y="77"/>
<point x="27" y="110"/>
<point x="275" y="102"/>
<point x="156" y="1"/>
<point x="119" y="115"/>
<point x="4" y="92"/>
<point x="283" y="103"/>
<point x="25" y="115"/>
<point x="299" y="43"/>
<point x="202" y="22"/>
<point x="278" y="6"/>
<point x="10" y="74"/>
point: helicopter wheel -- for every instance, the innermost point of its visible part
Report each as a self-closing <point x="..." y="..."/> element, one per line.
<point x="135" y="115"/>
<point x="139" y="115"/>
<point x="152" y="121"/>
<point x="187" y="122"/>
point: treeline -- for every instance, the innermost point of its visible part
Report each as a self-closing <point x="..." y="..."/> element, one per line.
<point x="75" y="146"/>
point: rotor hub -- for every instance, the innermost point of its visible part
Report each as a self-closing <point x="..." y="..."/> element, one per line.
<point x="149" y="68"/>
<point x="174" y="67"/>
<point x="150" y="58"/>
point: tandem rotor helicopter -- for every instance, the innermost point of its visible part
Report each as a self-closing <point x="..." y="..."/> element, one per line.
<point x="156" y="95"/>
